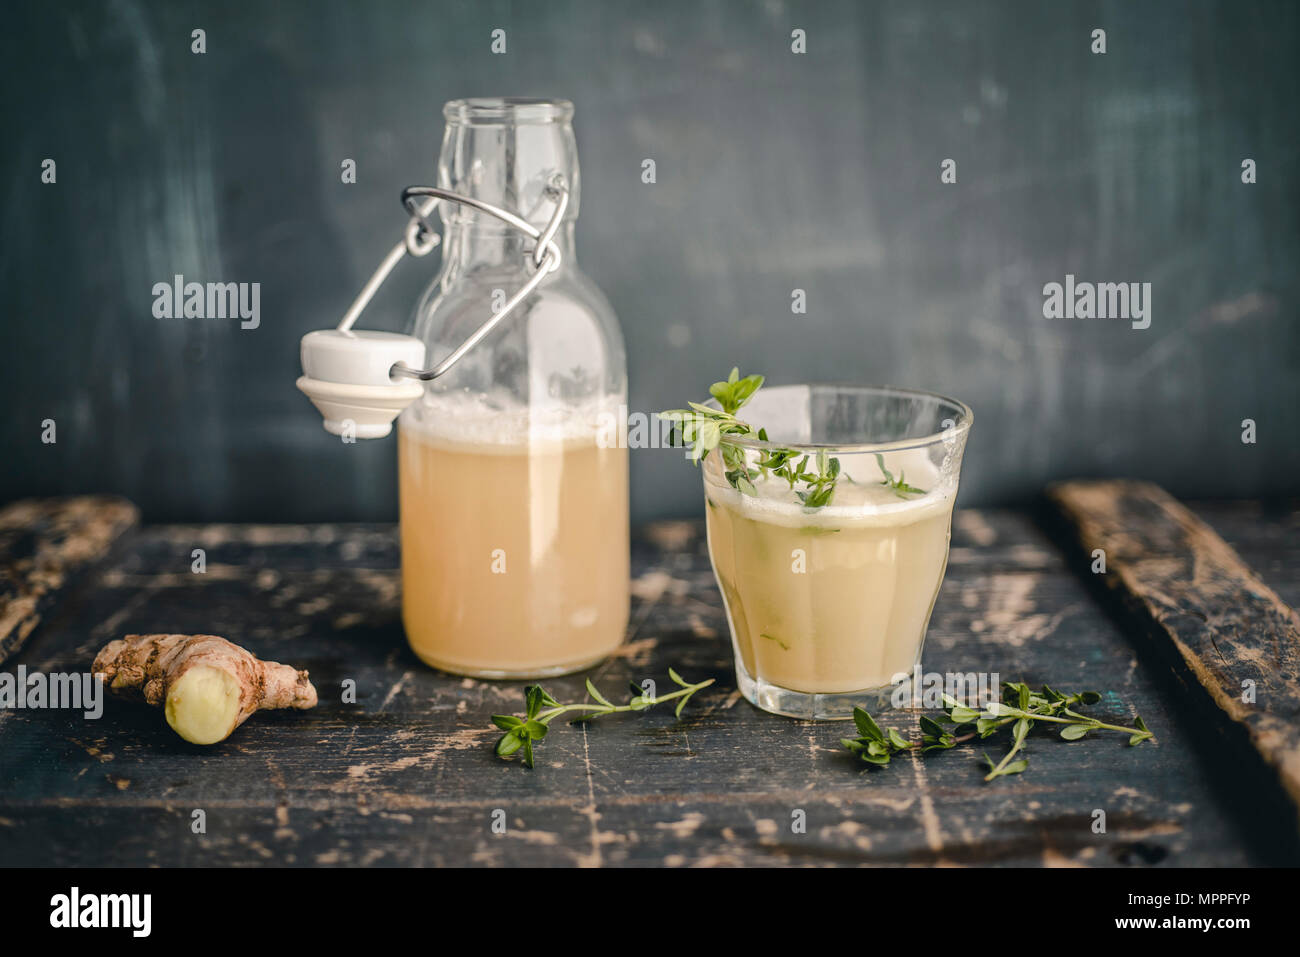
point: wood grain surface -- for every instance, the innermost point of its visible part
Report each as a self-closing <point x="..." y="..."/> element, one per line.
<point x="1234" y="640"/>
<point x="406" y="775"/>
<point x="43" y="544"/>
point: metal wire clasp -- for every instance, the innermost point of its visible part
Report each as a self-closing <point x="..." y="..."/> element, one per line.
<point x="420" y="238"/>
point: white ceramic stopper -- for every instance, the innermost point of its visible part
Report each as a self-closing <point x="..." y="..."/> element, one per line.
<point x="358" y="357"/>
<point x="347" y="378"/>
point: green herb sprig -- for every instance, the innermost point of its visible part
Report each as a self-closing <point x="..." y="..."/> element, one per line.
<point x="821" y="484"/>
<point x="1021" y="708"/>
<point x="900" y="487"/>
<point x="703" y="428"/>
<point x="540" y="709"/>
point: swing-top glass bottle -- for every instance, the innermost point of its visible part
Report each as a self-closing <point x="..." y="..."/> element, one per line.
<point x="513" y="487"/>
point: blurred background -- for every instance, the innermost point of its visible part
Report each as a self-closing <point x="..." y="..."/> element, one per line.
<point x="775" y="171"/>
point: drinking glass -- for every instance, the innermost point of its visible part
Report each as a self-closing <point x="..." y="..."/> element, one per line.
<point x="828" y="595"/>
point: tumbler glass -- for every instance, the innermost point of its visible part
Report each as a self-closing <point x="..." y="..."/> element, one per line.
<point x="830" y="543"/>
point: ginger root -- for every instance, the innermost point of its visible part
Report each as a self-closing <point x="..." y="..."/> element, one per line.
<point x="208" y="686"/>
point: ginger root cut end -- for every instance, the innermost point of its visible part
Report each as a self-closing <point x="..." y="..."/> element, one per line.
<point x="202" y="705"/>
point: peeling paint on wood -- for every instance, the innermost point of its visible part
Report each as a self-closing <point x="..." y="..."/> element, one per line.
<point x="1235" y="639"/>
<point x="407" y="776"/>
<point x="44" y="543"/>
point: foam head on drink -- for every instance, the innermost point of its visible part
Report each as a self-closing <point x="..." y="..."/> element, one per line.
<point x="834" y="599"/>
<point x="514" y="539"/>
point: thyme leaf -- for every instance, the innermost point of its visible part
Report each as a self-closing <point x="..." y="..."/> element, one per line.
<point x="1020" y="709"/>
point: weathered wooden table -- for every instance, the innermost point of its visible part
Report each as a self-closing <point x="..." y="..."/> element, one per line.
<point x="407" y="775"/>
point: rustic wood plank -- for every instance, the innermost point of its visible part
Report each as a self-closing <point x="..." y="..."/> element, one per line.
<point x="44" y="543"/>
<point x="406" y="775"/>
<point x="1229" y="629"/>
<point x="1265" y="535"/>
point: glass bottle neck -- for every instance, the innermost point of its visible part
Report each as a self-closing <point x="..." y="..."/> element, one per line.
<point x="474" y="245"/>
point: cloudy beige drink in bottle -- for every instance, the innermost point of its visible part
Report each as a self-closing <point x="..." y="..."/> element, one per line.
<point x="514" y="515"/>
<point x="514" y="555"/>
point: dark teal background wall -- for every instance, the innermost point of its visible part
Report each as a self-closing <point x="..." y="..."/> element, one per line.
<point x="776" y="171"/>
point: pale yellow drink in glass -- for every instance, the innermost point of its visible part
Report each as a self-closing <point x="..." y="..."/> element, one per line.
<point x="835" y="599"/>
<point x="514" y="553"/>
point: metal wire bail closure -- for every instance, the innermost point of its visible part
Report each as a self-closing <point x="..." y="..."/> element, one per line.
<point x="420" y="238"/>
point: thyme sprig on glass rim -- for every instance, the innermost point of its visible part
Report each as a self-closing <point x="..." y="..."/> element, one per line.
<point x="540" y="709"/>
<point x="702" y="428"/>
<point x="1020" y="709"/>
